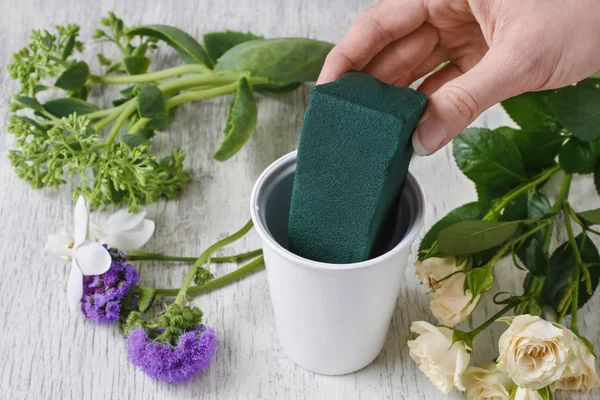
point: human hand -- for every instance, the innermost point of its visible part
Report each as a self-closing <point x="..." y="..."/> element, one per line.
<point x="495" y="49"/>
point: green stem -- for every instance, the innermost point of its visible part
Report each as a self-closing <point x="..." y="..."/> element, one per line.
<point x="577" y="271"/>
<point x="236" y="258"/>
<point x="563" y="194"/>
<point x="204" y="258"/>
<point x="490" y="321"/>
<point x="152" y="76"/>
<point x="116" y="112"/>
<point x="494" y="213"/>
<point x="125" y="114"/>
<point x="216" y="283"/>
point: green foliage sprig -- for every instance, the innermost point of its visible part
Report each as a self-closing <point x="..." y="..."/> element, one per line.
<point x="64" y="139"/>
<point x="560" y="134"/>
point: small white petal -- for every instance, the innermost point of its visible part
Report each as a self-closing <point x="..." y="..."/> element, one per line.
<point x="133" y="239"/>
<point x="95" y="232"/>
<point x="81" y="221"/>
<point x="74" y="287"/>
<point x="59" y="240"/>
<point x="123" y="221"/>
<point x="92" y="258"/>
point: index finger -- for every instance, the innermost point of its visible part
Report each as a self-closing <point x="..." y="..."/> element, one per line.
<point x="373" y="30"/>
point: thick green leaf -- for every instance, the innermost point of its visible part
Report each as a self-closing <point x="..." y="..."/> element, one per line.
<point x="186" y="46"/>
<point x="538" y="149"/>
<point x="282" y="61"/>
<point x="30" y="102"/>
<point x="576" y="108"/>
<point x="74" y="77"/>
<point x="531" y="111"/>
<point x="535" y="259"/>
<point x="279" y="89"/>
<point x="469" y="237"/>
<point x="466" y="212"/>
<point x="146" y="298"/>
<point x="591" y="216"/>
<point x="81" y="93"/>
<point x="488" y="158"/>
<point x="136" y="65"/>
<point x="69" y="46"/>
<point x="160" y="122"/>
<point x="217" y="43"/>
<point x="241" y="122"/>
<point x="579" y="157"/>
<point x="562" y="264"/>
<point x="68" y="105"/>
<point x="139" y="138"/>
<point x="151" y="102"/>
<point x="529" y="204"/>
<point x="480" y="280"/>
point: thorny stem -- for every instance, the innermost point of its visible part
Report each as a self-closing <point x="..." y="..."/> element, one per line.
<point x="490" y="321"/>
<point x="236" y="258"/>
<point x="577" y="271"/>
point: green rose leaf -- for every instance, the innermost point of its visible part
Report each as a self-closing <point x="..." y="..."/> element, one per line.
<point x="469" y="237"/>
<point x="241" y="121"/>
<point x="146" y="298"/>
<point x="74" y="77"/>
<point x="66" y="106"/>
<point x="576" y="109"/>
<point x="591" y="216"/>
<point x="480" y="280"/>
<point x="531" y="111"/>
<point x="151" y="102"/>
<point x="283" y="61"/>
<point x="466" y="212"/>
<point x="488" y="158"/>
<point x="217" y="43"/>
<point x="562" y="263"/>
<point x="136" y="65"/>
<point x="190" y="51"/>
<point x="597" y="177"/>
<point x="535" y="259"/>
<point x="579" y="157"/>
<point x="538" y="149"/>
<point x="139" y="138"/>
<point x="487" y="195"/>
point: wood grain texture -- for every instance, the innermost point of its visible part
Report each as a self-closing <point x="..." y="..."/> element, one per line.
<point x="47" y="353"/>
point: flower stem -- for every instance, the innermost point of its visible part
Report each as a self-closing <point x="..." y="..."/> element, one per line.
<point x="490" y="321"/>
<point x="204" y="258"/>
<point x="494" y="213"/>
<point x="152" y="76"/>
<point x="216" y="283"/>
<point x="236" y="258"/>
<point x="125" y="114"/>
<point x="563" y="194"/>
<point x="577" y="271"/>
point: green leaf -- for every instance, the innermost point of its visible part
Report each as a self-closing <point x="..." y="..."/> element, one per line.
<point x="461" y="336"/>
<point x="241" y="122"/>
<point x="538" y="149"/>
<point x="66" y="106"/>
<point x="146" y="298"/>
<point x="283" y="61"/>
<point x="74" y="77"/>
<point x="186" y="46"/>
<point x="579" y="157"/>
<point x="136" y="65"/>
<point x="480" y="280"/>
<point x="588" y="344"/>
<point x="139" y="138"/>
<point x="466" y="212"/>
<point x="535" y="259"/>
<point x="591" y="216"/>
<point x="562" y="263"/>
<point x="217" y="43"/>
<point x="30" y="102"/>
<point x="151" y="102"/>
<point x="597" y="177"/>
<point x="529" y="204"/>
<point x="545" y="393"/>
<point x="576" y="108"/>
<point x="67" y="50"/>
<point x="469" y="237"/>
<point x="487" y="195"/>
<point x="279" y="89"/>
<point x="488" y="158"/>
<point x="531" y="111"/>
<point x="160" y="122"/>
<point x="81" y="93"/>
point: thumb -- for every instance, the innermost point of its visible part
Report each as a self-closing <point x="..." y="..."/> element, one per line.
<point x="458" y="102"/>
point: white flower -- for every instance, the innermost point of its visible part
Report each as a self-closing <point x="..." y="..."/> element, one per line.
<point x="123" y="230"/>
<point x="487" y="383"/>
<point x="534" y="352"/>
<point x="440" y="360"/>
<point x="87" y="257"/>
<point x="526" y="394"/>
<point x="431" y="270"/>
<point x="59" y="248"/>
<point x="580" y="373"/>
<point x="451" y="304"/>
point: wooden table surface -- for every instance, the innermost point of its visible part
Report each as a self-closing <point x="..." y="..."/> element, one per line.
<point x="48" y="353"/>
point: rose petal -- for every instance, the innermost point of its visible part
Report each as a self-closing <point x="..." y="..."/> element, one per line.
<point x="92" y="258"/>
<point x="74" y="287"/>
<point x="81" y="222"/>
<point x="123" y="221"/>
<point x="133" y="239"/>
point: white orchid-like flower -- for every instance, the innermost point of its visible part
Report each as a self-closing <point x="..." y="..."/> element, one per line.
<point x="123" y="230"/>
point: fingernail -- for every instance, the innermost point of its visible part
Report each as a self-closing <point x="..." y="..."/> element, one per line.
<point x="428" y="137"/>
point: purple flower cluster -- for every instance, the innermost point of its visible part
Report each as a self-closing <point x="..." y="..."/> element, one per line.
<point x="174" y="364"/>
<point x="103" y="294"/>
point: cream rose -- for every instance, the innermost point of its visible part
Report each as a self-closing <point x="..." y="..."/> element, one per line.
<point x="431" y="270"/>
<point x="440" y="360"/>
<point x="487" y="383"/>
<point x="526" y="394"/>
<point x="580" y="373"/>
<point x="451" y="304"/>
<point x="533" y="352"/>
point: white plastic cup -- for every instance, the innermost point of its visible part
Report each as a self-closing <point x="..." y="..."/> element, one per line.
<point x="332" y="319"/>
